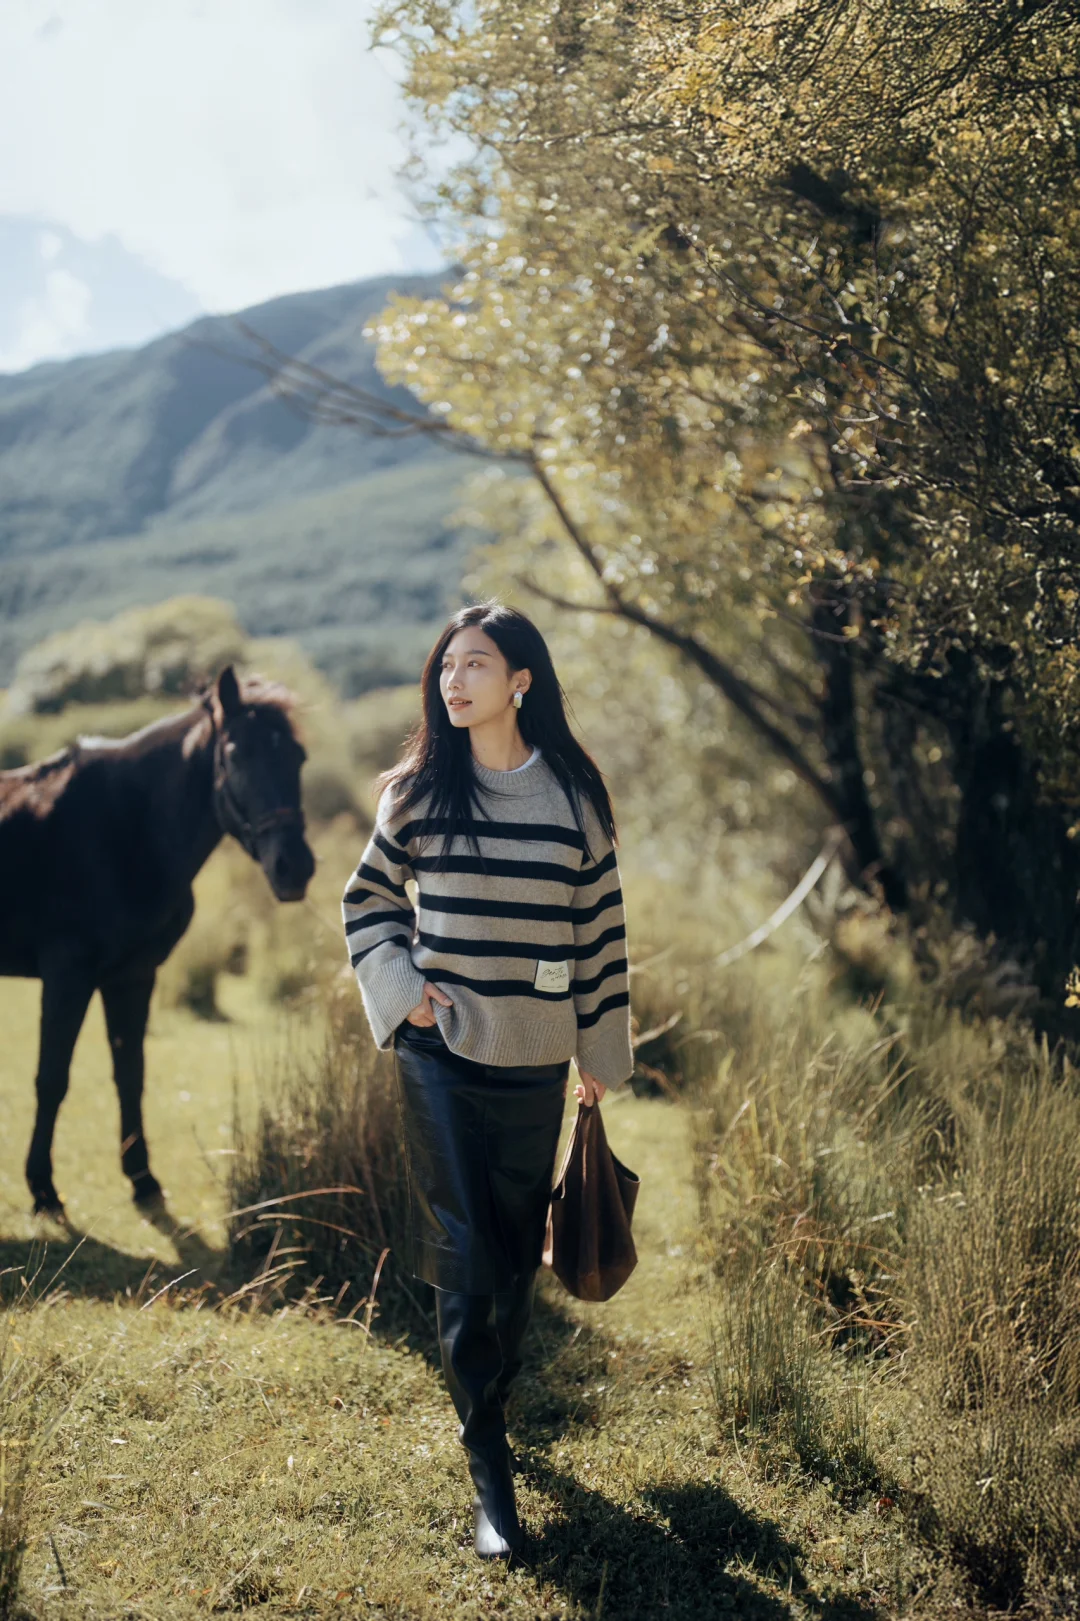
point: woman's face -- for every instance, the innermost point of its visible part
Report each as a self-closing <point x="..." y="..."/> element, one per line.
<point x="475" y="682"/>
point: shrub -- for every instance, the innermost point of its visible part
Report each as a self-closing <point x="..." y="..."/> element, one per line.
<point x="28" y="737"/>
<point x="213" y="945"/>
<point x="168" y="649"/>
<point x="376" y="726"/>
<point x="329" y="793"/>
<point x="298" y="957"/>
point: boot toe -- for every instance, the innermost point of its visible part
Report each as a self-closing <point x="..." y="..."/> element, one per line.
<point x="497" y="1529"/>
<point x="488" y="1540"/>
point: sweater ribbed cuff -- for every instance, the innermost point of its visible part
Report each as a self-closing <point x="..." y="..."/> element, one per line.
<point x="608" y="1055"/>
<point x="391" y="992"/>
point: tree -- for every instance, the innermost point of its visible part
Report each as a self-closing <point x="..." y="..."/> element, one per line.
<point x="776" y="301"/>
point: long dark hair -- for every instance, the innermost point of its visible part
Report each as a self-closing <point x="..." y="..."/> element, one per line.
<point x="438" y="758"/>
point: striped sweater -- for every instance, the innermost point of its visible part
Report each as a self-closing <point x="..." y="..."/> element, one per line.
<point x="529" y="942"/>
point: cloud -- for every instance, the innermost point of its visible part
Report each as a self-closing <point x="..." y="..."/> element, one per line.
<point x="61" y="295"/>
<point x="50" y="325"/>
<point x="243" y="148"/>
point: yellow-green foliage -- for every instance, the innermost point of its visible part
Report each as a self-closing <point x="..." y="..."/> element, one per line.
<point x="744" y="274"/>
<point x="109" y="680"/>
<point x="170" y="648"/>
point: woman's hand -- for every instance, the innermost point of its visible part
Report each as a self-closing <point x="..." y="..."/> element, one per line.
<point x="422" y="1013"/>
<point x="589" y="1090"/>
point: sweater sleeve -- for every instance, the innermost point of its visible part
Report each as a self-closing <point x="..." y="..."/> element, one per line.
<point x="601" y="983"/>
<point x="379" y="921"/>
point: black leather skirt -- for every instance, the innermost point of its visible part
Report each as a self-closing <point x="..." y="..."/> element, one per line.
<point x="480" y="1146"/>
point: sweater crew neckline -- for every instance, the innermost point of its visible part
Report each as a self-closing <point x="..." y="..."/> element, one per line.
<point x="522" y="779"/>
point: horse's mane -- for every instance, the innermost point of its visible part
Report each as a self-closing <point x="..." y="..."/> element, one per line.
<point x="256" y="692"/>
<point x="37" y="787"/>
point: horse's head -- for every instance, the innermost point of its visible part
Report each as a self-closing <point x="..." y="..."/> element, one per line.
<point x="257" y="760"/>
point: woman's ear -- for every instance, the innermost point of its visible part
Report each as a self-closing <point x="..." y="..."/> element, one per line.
<point x="523" y="679"/>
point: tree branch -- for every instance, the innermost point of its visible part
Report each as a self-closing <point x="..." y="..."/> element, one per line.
<point x="617" y="607"/>
<point x="737" y="691"/>
<point x="329" y="401"/>
<point x="323" y="398"/>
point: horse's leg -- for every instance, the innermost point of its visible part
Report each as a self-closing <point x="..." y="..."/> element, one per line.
<point x="127" y="1006"/>
<point x="65" y="996"/>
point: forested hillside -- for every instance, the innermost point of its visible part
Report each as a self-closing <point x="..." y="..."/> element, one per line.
<point x="133" y="476"/>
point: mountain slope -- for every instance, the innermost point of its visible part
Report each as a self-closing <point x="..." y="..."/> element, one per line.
<point x="131" y="476"/>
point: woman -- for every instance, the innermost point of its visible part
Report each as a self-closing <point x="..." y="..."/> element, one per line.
<point x="514" y="963"/>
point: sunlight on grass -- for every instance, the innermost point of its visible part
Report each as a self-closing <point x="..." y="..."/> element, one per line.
<point x="195" y="1071"/>
<point x="825" y="1390"/>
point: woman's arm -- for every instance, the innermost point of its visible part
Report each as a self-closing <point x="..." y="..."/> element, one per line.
<point x="379" y="921"/>
<point x="601" y="983"/>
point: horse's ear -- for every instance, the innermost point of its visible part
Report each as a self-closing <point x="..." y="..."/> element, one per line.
<point x="228" y="691"/>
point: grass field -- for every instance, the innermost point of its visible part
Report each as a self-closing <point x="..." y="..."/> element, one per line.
<point x="216" y="1459"/>
<point x="768" y="1421"/>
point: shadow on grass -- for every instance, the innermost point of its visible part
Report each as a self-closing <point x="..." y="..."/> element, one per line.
<point x="624" y="1564"/>
<point x="561" y="1356"/>
<point x="668" y="1558"/>
<point x="80" y="1264"/>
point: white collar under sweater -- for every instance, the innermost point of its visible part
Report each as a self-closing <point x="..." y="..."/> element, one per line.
<point x="527" y="779"/>
<point x="514" y="769"/>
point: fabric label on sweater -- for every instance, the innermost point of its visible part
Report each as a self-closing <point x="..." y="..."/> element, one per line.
<point x="552" y="976"/>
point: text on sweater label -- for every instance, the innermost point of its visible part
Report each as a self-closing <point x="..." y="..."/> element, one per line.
<point x="552" y="976"/>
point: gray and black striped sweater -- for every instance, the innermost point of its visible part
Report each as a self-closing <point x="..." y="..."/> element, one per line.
<point x="529" y="940"/>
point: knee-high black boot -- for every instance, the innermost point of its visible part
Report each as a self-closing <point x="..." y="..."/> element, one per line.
<point x="513" y="1311"/>
<point x="472" y="1363"/>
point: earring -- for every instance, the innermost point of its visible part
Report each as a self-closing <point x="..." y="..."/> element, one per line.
<point x="517" y="700"/>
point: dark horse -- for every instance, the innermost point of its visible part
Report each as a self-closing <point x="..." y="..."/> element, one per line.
<point x="99" y="846"/>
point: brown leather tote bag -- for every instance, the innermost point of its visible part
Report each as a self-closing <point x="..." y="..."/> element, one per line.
<point x="589" y="1245"/>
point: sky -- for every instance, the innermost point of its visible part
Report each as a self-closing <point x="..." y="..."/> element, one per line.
<point x="163" y="158"/>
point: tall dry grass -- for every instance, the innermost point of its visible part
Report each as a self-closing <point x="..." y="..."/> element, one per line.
<point x="319" y="1184"/>
<point x="891" y="1197"/>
